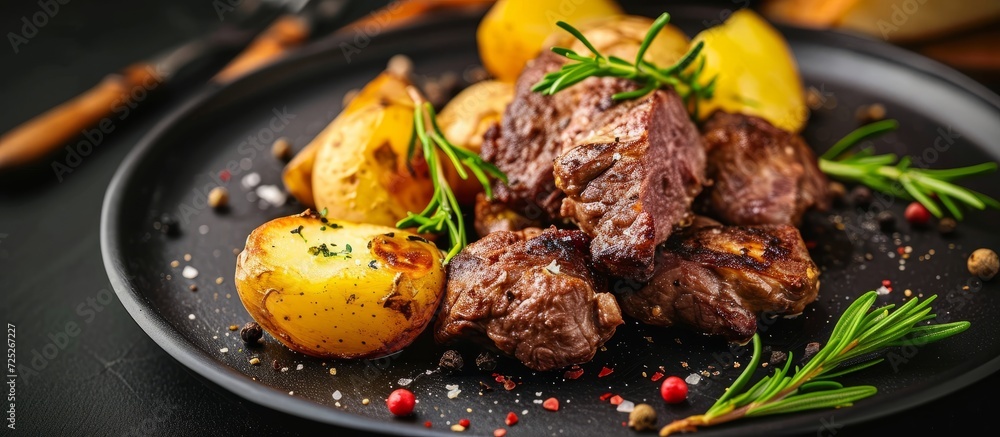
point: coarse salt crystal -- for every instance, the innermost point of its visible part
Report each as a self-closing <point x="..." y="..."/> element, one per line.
<point x="189" y="272"/>
<point x="693" y="379"/>
<point x="626" y="407"/>
<point x="224" y="350"/>
<point x="299" y="367"/>
<point x="190" y="316"/>
<point x="451" y="386"/>
<point x="617" y="156"/>
<point x="203" y="229"/>
<point x="454" y="394"/>
<point x="251" y="180"/>
<point x="272" y="195"/>
<point x="537" y="401"/>
<point x="553" y="267"/>
<point x="337" y="395"/>
<point x="882" y="291"/>
<point x="404" y="381"/>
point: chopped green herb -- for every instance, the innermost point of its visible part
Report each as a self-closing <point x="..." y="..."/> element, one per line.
<point x="298" y="231"/>
<point x="324" y="250"/>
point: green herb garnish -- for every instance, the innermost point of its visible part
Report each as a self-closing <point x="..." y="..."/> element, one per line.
<point x="857" y="337"/>
<point x="298" y="231"/>
<point x="324" y="250"/>
<point x="687" y="84"/>
<point x="443" y="213"/>
<point x="890" y="175"/>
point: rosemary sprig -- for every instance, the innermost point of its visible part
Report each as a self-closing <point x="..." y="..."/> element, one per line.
<point x="897" y="177"/>
<point x="858" y="336"/>
<point x="443" y="212"/>
<point x="687" y="83"/>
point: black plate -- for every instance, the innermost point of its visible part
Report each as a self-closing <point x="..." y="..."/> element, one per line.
<point x="184" y="154"/>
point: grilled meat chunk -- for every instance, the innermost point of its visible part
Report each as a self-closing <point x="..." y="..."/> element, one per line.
<point x="632" y="181"/>
<point x="717" y="279"/>
<point x="492" y="216"/>
<point x="533" y="297"/>
<point x="761" y="174"/>
<point x="536" y="129"/>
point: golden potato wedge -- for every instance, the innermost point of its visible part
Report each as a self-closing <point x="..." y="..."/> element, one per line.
<point x="755" y="69"/>
<point x="297" y="175"/>
<point x="464" y="120"/>
<point x="356" y="167"/>
<point x="512" y="32"/>
<point x="335" y="289"/>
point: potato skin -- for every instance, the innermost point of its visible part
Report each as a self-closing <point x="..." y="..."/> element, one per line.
<point x="370" y="302"/>
<point x="360" y="171"/>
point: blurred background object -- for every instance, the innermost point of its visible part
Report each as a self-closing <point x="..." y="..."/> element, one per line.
<point x="964" y="34"/>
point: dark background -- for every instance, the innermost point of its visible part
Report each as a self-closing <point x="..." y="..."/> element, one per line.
<point x="111" y="379"/>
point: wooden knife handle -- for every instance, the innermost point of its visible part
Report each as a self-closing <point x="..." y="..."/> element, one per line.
<point x="285" y="33"/>
<point x="45" y="133"/>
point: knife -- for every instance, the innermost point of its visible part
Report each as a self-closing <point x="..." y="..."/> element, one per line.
<point x="250" y="28"/>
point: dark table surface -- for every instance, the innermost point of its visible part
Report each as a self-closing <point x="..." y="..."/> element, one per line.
<point x="110" y="378"/>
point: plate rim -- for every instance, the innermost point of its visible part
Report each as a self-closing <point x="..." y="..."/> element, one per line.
<point x="194" y="359"/>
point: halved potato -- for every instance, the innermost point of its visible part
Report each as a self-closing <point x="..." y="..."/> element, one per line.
<point x="356" y="168"/>
<point x="512" y="32"/>
<point x="756" y="71"/>
<point x="335" y="289"/>
<point x="621" y="36"/>
<point x="464" y="120"/>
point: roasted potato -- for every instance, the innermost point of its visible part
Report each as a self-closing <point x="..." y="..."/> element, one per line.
<point x="756" y="72"/>
<point x="335" y="289"/>
<point x="464" y="120"/>
<point x="297" y="175"/>
<point x="512" y="32"/>
<point x="356" y="168"/>
<point x="621" y="36"/>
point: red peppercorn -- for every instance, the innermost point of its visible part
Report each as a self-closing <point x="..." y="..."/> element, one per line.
<point x="616" y="400"/>
<point x="464" y="422"/>
<point x="400" y="402"/>
<point x="917" y="214"/>
<point x="551" y="404"/>
<point x="511" y="419"/>
<point x="499" y="432"/>
<point x="673" y="390"/>
<point x="427" y="424"/>
<point x="605" y="372"/>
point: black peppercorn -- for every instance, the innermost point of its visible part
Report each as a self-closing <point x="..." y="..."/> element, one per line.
<point x="947" y="225"/>
<point x="451" y="361"/>
<point x="486" y="361"/>
<point x="251" y="332"/>
<point x="861" y="196"/>
<point x="777" y="357"/>
<point x="886" y="220"/>
<point x="811" y="350"/>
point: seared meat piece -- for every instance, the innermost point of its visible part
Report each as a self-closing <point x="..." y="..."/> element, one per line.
<point x="762" y="174"/>
<point x="536" y="129"/>
<point x="492" y="216"/>
<point x="632" y="181"/>
<point x="536" y="299"/>
<point x="716" y="279"/>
